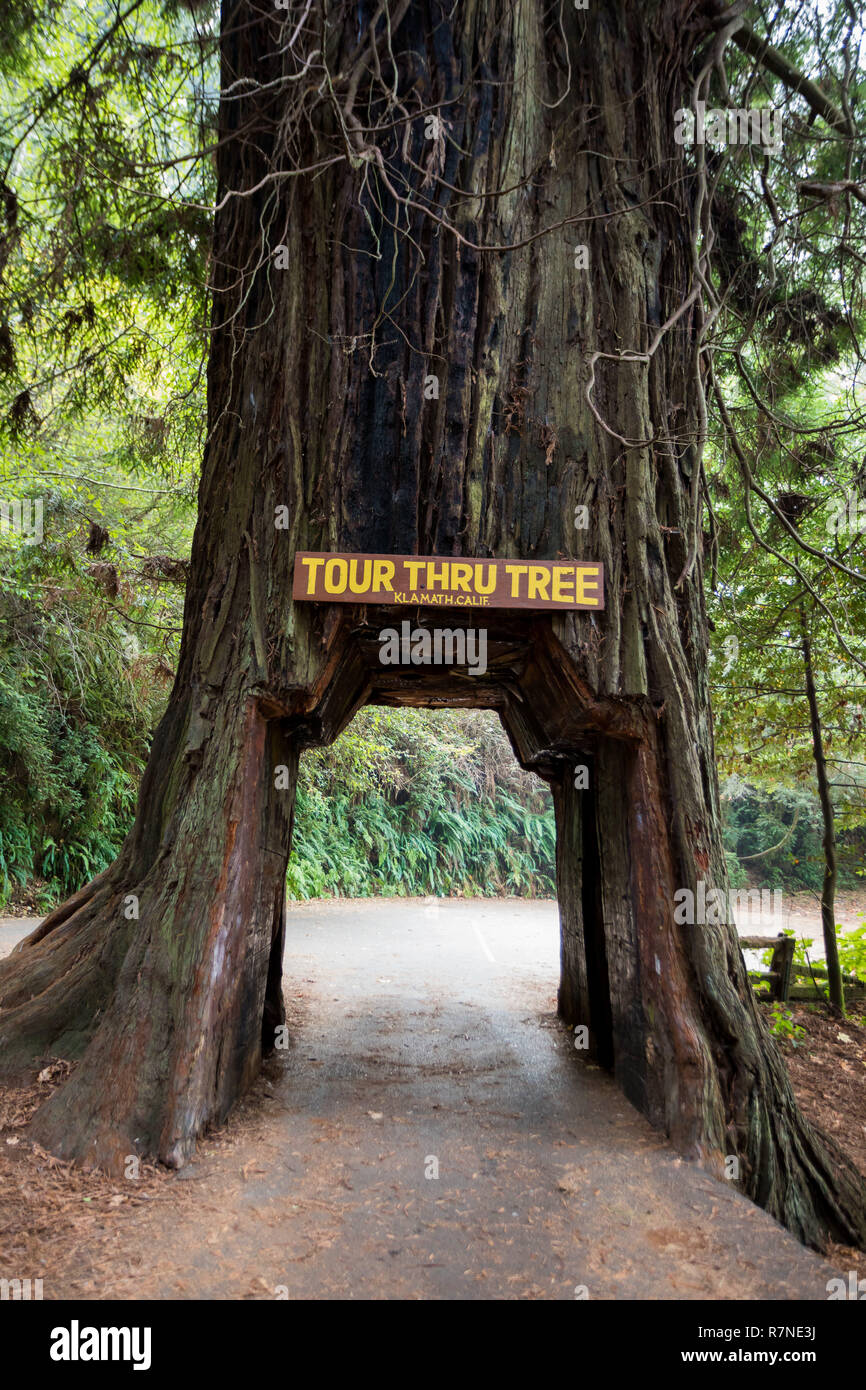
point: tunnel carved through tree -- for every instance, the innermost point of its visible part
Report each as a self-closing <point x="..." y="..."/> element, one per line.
<point x="562" y="387"/>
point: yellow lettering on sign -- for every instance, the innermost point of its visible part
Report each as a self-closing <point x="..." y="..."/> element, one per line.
<point x="433" y="578"/>
<point x="587" y="585"/>
<point x="516" y="571"/>
<point x="414" y="567"/>
<point x="479" y="579"/>
<point x="383" y="573"/>
<point x="539" y="582"/>
<point x="460" y="576"/>
<point x="360" y="586"/>
<point x="561" y="578"/>
<point x="311" y="574"/>
<point x="335" y="585"/>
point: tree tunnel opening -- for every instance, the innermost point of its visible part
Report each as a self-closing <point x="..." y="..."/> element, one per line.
<point x="480" y="920"/>
<point x="552" y="733"/>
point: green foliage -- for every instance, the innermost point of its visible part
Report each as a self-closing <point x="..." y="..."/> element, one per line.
<point x="737" y="876"/>
<point x="852" y="951"/>
<point x="104" y="240"/>
<point x="76" y="710"/>
<point x="756" y="817"/>
<point x="418" y="802"/>
<point x="104" y="226"/>
<point x="851" y="947"/>
<point x="785" y="477"/>
<point x="783" y="1027"/>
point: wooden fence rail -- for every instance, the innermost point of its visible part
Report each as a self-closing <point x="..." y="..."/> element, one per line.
<point x="783" y="973"/>
<point x="781" y="963"/>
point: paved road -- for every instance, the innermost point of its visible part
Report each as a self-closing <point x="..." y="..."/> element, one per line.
<point x="424" y="1042"/>
<point x="13" y="930"/>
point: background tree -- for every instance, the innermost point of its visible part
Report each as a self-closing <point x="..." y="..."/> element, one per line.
<point x="787" y="531"/>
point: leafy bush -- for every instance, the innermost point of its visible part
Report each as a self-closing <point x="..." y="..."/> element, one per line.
<point x="737" y="876"/>
<point x="852" y="951"/>
<point x="75" y="719"/>
<point x="417" y="802"/>
<point x="755" y="818"/>
<point x="783" y="1027"/>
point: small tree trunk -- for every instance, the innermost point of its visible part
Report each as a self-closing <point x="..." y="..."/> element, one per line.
<point x="828" y="886"/>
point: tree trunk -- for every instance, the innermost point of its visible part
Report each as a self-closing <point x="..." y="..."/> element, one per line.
<point x="404" y="360"/>
<point x="828" y="885"/>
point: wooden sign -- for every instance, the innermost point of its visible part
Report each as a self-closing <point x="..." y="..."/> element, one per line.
<point x="322" y="577"/>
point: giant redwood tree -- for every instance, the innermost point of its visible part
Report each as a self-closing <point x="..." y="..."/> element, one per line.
<point x="461" y="300"/>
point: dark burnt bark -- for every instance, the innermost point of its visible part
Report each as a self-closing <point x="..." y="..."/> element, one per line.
<point x="556" y="136"/>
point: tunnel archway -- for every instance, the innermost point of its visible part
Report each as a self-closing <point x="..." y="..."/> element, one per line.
<point x="598" y="758"/>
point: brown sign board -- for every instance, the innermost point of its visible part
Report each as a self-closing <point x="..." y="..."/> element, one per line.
<point x="447" y="581"/>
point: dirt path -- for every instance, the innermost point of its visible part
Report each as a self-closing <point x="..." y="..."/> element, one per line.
<point x="422" y="1035"/>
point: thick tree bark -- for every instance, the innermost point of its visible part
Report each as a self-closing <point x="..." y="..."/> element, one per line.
<point x="557" y="132"/>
